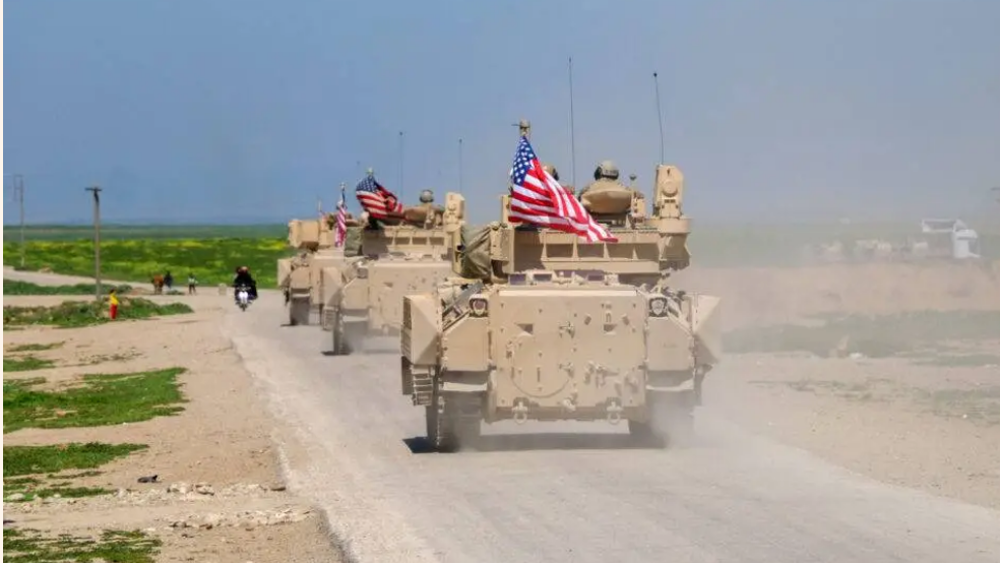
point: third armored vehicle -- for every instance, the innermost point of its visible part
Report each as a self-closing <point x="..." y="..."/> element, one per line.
<point x="300" y="276"/>
<point x="412" y="255"/>
<point x="542" y="326"/>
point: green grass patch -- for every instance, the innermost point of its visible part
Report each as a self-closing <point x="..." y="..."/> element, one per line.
<point x="25" y="363"/>
<point x="113" y="232"/>
<point x="75" y="314"/>
<point x="31" y="472"/>
<point x="35" y="347"/>
<point x="211" y="260"/>
<point x="103" y="400"/>
<point x="118" y="546"/>
<point x="15" y="287"/>
<point x="32" y="460"/>
<point x="918" y="334"/>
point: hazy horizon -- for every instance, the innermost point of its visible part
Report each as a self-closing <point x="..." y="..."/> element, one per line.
<point x="791" y="111"/>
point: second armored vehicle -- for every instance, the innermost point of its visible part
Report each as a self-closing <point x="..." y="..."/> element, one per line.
<point x="365" y="297"/>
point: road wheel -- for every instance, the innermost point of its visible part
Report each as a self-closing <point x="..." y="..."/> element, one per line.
<point x="337" y="335"/>
<point x="298" y="312"/>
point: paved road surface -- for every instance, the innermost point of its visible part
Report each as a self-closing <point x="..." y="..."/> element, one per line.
<point x="548" y="497"/>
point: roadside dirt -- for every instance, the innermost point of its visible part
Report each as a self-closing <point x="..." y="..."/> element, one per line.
<point x="900" y="420"/>
<point x="219" y="495"/>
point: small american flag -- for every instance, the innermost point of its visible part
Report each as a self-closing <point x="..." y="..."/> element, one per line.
<point x="538" y="198"/>
<point x="379" y="202"/>
<point x="341" y="234"/>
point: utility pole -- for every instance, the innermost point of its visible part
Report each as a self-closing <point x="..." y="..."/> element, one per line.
<point x="97" y="239"/>
<point x="18" y="184"/>
<point x="460" y="166"/>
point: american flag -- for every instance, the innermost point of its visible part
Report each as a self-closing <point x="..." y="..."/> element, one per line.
<point x="341" y="219"/>
<point x="538" y="198"/>
<point x="379" y="202"/>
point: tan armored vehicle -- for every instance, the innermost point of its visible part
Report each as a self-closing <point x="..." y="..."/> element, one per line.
<point x="412" y="255"/>
<point x="544" y="327"/>
<point x="300" y="277"/>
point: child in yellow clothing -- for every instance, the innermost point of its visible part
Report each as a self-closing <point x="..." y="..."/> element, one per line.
<point x="113" y="299"/>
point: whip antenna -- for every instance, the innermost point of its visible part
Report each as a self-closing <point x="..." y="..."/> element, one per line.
<point x="659" y="112"/>
<point x="572" y="129"/>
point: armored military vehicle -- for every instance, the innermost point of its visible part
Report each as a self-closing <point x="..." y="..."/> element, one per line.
<point x="541" y="326"/>
<point x="300" y="277"/>
<point x="410" y="255"/>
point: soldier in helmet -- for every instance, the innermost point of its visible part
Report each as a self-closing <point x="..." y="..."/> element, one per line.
<point x="606" y="173"/>
<point x="555" y="174"/>
<point x="431" y="213"/>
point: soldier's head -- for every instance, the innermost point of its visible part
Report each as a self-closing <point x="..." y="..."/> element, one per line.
<point x="606" y="170"/>
<point x="551" y="170"/>
<point x="427" y="196"/>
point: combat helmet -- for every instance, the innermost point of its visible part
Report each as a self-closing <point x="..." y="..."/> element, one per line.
<point x="551" y="170"/>
<point x="606" y="170"/>
<point x="427" y="196"/>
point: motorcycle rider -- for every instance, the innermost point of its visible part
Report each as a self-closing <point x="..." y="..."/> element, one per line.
<point x="243" y="277"/>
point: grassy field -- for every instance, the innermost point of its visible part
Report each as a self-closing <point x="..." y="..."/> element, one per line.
<point x="15" y="287"/>
<point x="147" y="232"/>
<point x="211" y="260"/>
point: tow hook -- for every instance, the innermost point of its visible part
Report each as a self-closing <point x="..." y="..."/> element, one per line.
<point x="614" y="412"/>
<point x="520" y="412"/>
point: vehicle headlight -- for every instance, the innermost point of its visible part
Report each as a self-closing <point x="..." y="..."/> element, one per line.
<point x="478" y="306"/>
<point x="657" y="306"/>
<point x="363" y="272"/>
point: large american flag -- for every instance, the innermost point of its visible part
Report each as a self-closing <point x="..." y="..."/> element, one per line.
<point x="341" y="234"/>
<point x="538" y="198"/>
<point x="379" y="202"/>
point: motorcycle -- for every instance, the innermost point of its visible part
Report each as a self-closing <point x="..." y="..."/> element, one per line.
<point x="243" y="297"/>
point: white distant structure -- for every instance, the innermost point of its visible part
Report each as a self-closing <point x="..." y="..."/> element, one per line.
<point x="964" y="241"/>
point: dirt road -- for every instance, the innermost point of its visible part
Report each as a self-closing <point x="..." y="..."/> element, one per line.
<point x="350" y="439"/>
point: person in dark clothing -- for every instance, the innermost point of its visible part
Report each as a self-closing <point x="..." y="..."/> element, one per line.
<point x="243" y="277"/>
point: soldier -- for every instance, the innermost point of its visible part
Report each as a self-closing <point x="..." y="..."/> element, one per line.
<point x="555" y="174"/>
<point x="605" y="173"/>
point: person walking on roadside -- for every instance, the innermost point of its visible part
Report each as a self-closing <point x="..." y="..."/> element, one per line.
<point x="192" y="283"/>
<point x="113" y="304"/>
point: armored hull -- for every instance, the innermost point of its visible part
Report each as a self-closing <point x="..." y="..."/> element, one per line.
<point x="370" y="302"/>
<point x="551" y="347"/>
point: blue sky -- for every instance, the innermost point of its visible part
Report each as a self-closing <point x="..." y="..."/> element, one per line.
<point x="245" y="109"/>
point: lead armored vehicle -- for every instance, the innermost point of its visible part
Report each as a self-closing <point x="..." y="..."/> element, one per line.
<point x="364" y="297"/>
<point x="541" y="326"/>
<point x="300" y="277"/>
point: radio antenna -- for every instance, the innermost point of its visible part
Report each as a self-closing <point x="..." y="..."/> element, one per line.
<point x="572" y="129"/>
<point x="659" y="112"/>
